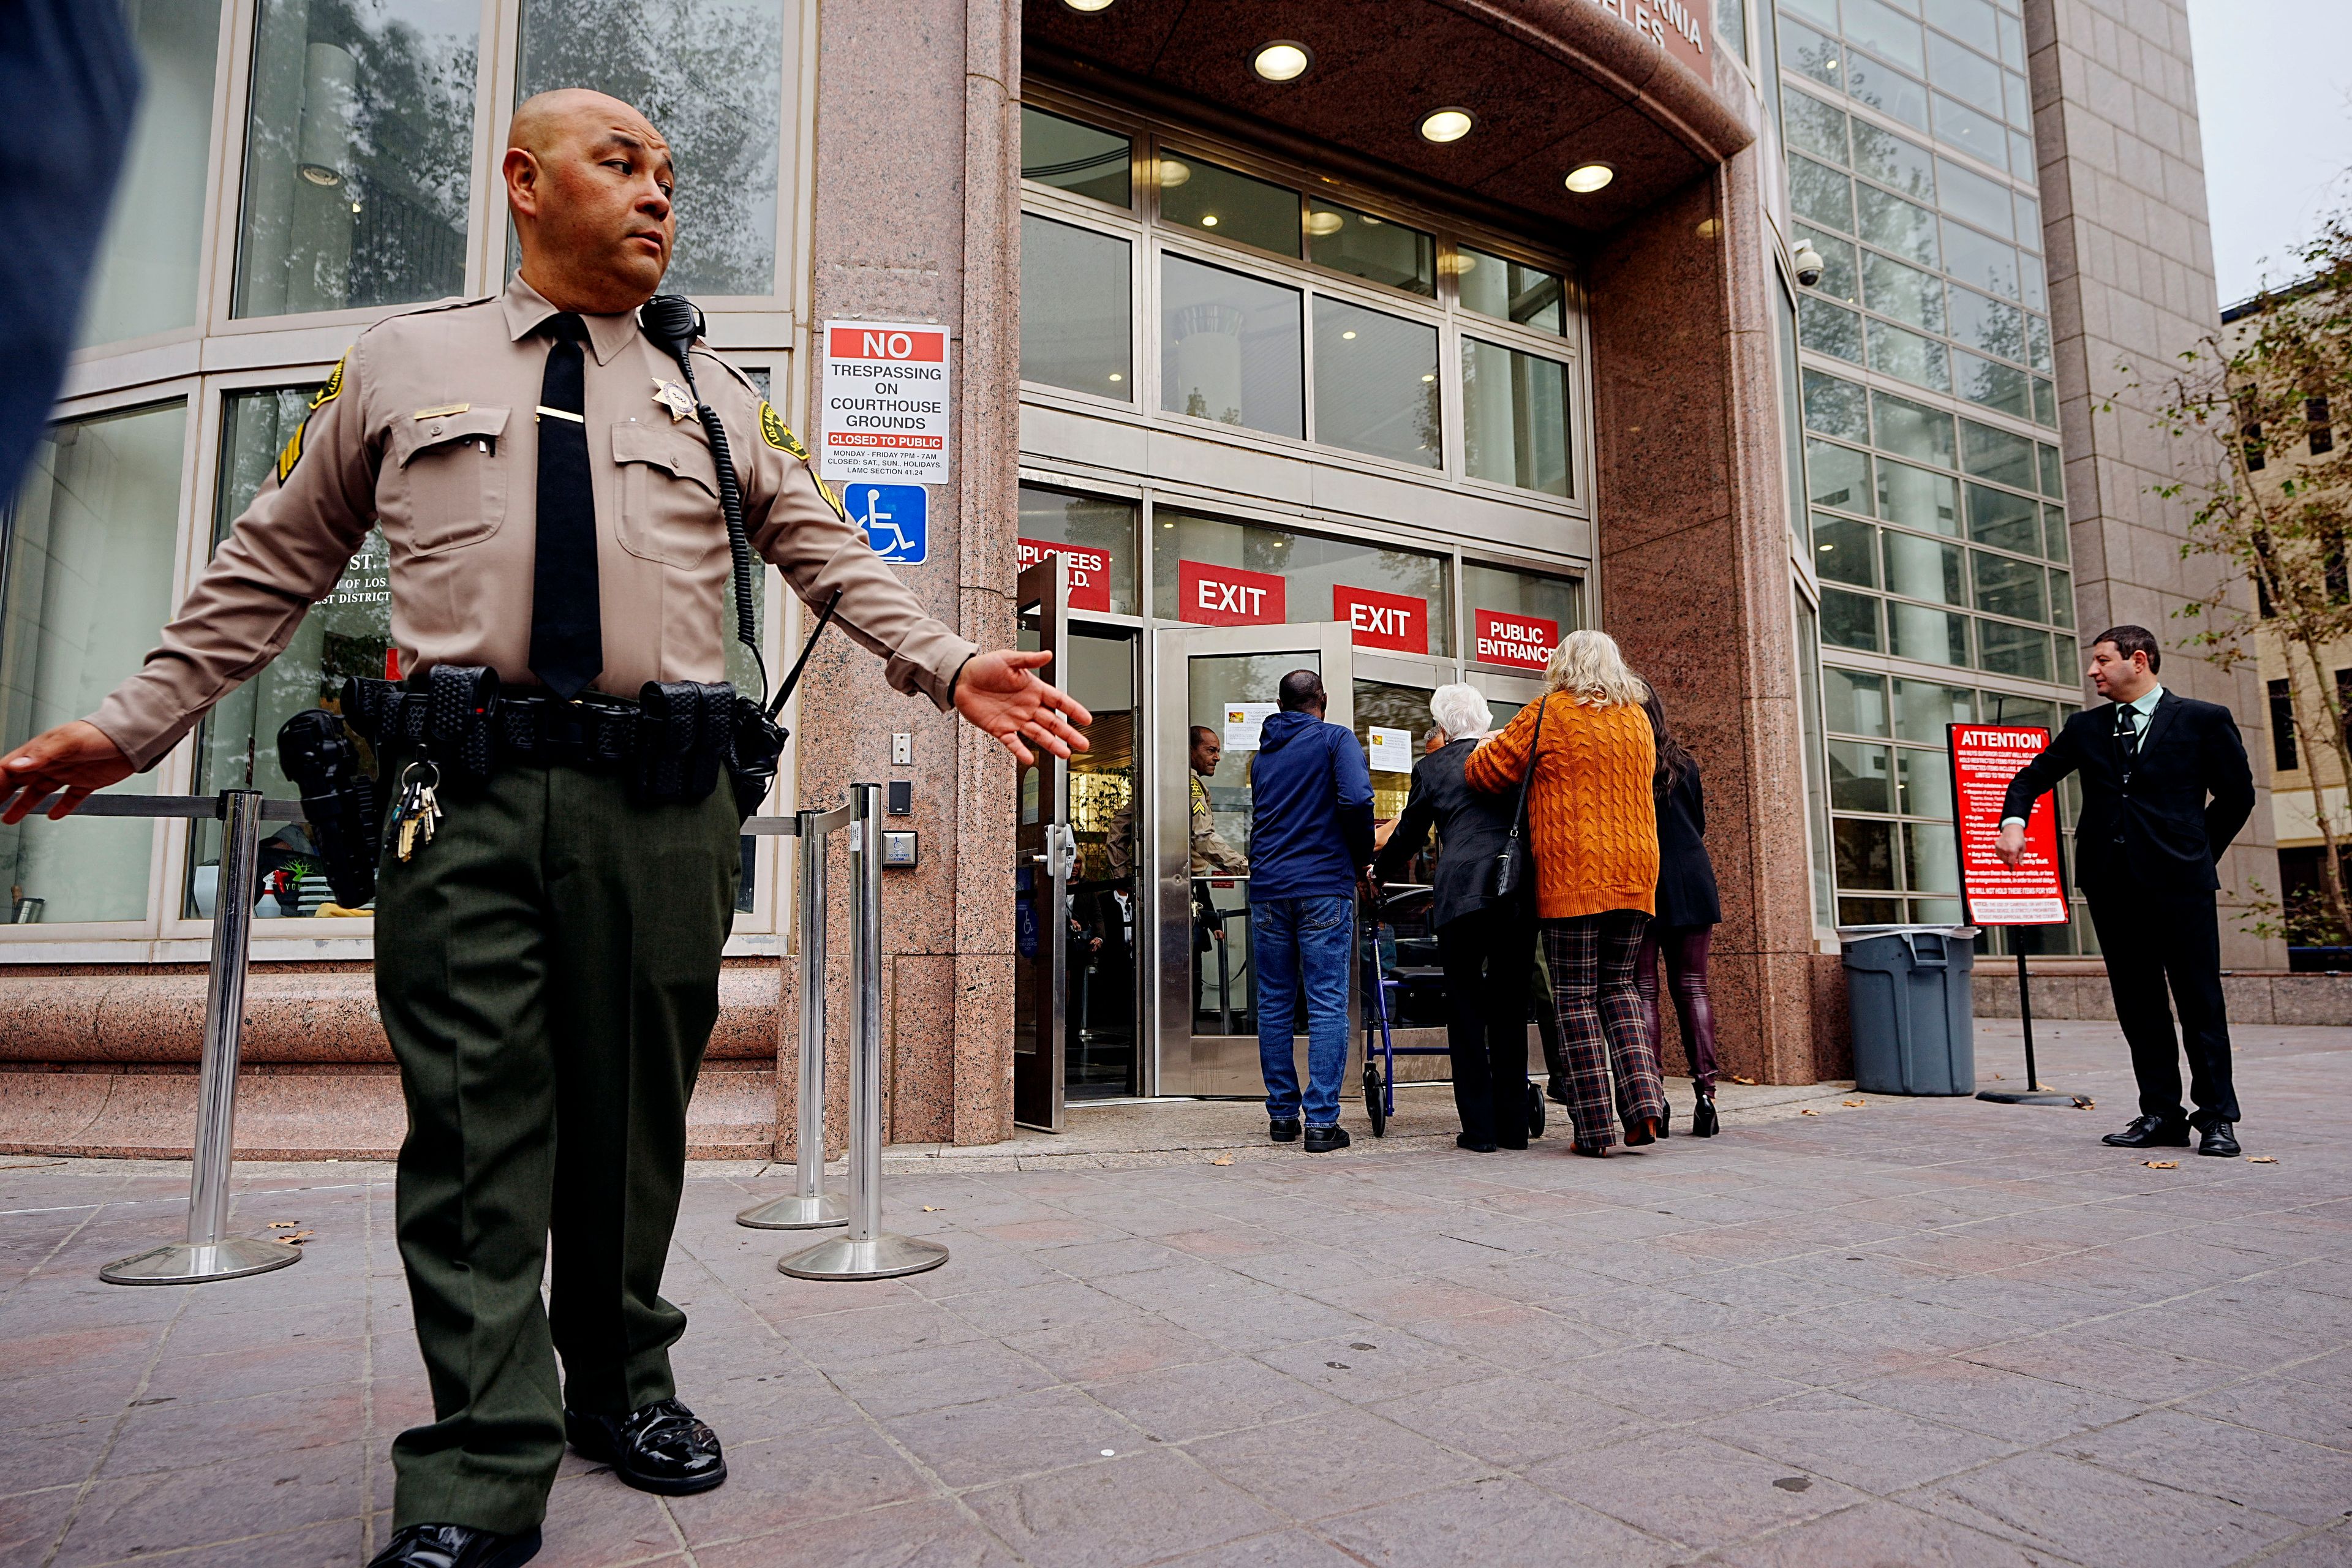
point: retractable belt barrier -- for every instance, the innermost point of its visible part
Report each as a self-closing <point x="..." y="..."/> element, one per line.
<point x="865" y="1251"/>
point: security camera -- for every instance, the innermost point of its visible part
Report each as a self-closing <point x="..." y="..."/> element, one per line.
<point x="1808" y="262"/>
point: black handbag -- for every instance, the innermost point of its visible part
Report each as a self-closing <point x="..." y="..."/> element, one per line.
<point x="1512" y="877"/>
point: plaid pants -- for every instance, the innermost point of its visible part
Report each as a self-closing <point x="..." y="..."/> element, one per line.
<point x="1602" y="1024"/>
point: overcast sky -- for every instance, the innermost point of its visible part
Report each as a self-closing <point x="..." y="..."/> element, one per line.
<point x="2274" y="93"/>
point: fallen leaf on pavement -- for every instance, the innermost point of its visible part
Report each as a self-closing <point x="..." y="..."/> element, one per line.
<point x="930" y="1208"/>
<point x="2085" y="1102"/>
<point x="1222" y="1160"/>
<point x="1854" y="1102"/>
<point x="1737" y="1079"/>
<point x="2262" y="1159"/>
<point x="1809" y="1111"/>
<point x="2161" y="1164"/>
<point x="284" y="1224"/>
<point x="294" y="1238"/>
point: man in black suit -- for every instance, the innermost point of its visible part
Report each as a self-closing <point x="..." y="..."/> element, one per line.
<point x="2145" y="848"/>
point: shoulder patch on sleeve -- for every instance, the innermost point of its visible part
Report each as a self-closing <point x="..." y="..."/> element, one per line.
<point x="292" y="453"/>
<point x="777" y="436"/>
<point x="334" y="387"/>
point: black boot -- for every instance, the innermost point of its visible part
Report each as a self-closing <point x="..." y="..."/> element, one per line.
<point x="1703" y="1118"/>
<point x="664" y="1448"/>
<point x="456" y="1546"/>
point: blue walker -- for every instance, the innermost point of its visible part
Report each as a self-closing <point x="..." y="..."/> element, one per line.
<point x="1379" y="1070"/>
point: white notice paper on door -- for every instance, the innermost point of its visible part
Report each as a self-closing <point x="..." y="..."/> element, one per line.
<point x="1391" y="751"/>
<point x="1243" y="722"/>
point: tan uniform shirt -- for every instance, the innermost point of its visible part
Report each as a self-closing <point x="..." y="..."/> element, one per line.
<point x="428" y="428"/>
<point x="1210" y="853"/>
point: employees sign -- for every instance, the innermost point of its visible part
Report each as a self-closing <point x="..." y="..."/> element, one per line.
<point x="884" y="403"/>
<point x="1089" y="571"/>
<point x="1985" y="757"/>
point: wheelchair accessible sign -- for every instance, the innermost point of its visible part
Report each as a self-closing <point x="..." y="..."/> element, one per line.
<point x="897" y="520"/>
<point x="884" y="405"/>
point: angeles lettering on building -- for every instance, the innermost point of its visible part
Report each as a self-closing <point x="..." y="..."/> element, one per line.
<point x="1680" y="29"/>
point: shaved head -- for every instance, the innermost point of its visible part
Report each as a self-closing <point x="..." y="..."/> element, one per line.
<point x="588" y="180"/>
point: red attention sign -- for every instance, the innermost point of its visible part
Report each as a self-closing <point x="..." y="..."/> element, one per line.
<point x="1089" y="571"/>
<point x="1227" y="596"/>
<point x="1985" y="757"/>
<point x="1395" y="621"/>
<point x="1679" y="27"/>
<point x="1524" y="642"/>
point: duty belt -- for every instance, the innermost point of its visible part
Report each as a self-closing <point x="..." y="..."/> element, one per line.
<point x="671" y="742"/>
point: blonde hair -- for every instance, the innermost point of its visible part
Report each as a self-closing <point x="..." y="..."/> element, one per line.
<point x="1588" y="667"/>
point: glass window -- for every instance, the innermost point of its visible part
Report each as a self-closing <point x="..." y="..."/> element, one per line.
<point x="2021" y="157"/>
<point x="1922" y="709"/>
<point x="1838" y="280"/>
<point x="1931" y="637"/>
<point x="1316" y="575"/>
<point x="2014" y="650"/>
<point x="1992" y="453"/>
<point x="1228" y="204"/>
<point x="1835" y="408"/>
<point x="1376" y="384"/>
<point x="2013" y="43"/>
<point x="1813" y="126"/>
<point x="2002" y="386"/>
<point x="2008" y="587"/>
<point x="2004" y="520"/>
<point x="1884" y="86"/>
<point x="1829" y="329"/>
<point x="1865" y="854"/>
<point x="1924" y="569"/>
<point x="2029" y="220"/>
<point x="1919" y="499"/>
<point x="2054" y="532"/>
<point x="1821" y="194"/>
<point x="2018" y="106"/>
<point x="710" y="77"/>
<point x="1892" y="161"/>
<point x="1965" y="74"/>
<point x="2029" y="274"/>
<point x="1931" y="858"/>
<point x="1502" y="605"/>
<point x="2003" y="709"/>
<point x="1849" y="620"/>
<point x="1507" y="290"/>
<point x="1069" y="157"/>
<point x="1970" y="131"/>
<point x="1362" y="245"/>
<point x="1969" y="20"/>
<point x="1813" y="54"/>
<point x="1731" y="26"/>
<point x="1076" y="315"/>
<point x="1992" y="325"/>
<point x="1825" y="12"/>
<point x="1809" y="711"/>
<point x="1922" y="780"/>
<point x="1840" y="476"/>
<point x="1909" y="357"/>
<point x="1861" y="777"/>
<point x="144" y="279"/>
<point x="1856" y="700"/>
<point x="1904" y="227"/>
<point x="2037" y="343"/>
<point x="2053" y="473"/>
<point x="1096" y="534"/>
<point x="1903" y="292"/>
<point x="1845" y="551"/>
<point x="347" y="633"/>
<point x="2045" y="402"/>
<point x="1912" y="429"/>
<point x="1968" y="194"/>
<point x="87" y="577"/>
<point x="1229" y="348"/>
<point x="1878" y="28"/>
<point x="1513" y="417"/>
<point x="2062" y="598"/>
<point x="359" y="152"/>
<point x="1980" y="260"/>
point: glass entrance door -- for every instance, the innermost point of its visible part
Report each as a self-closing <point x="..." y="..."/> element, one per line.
<point x="1215" y="687"/>
<point x="1045" y="855"/>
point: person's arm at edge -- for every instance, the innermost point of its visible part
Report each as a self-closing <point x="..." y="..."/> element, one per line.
<point x="2231" y="778"/>
<point x="1411" y="829"/>
<point x="1352" y="779"/>
<point x="1501" y="758"/>
<point x="2040" y="776"/>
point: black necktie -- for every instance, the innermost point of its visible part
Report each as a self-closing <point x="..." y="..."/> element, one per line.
<point x="2127" y="730"/>
<point x="567" y="630"/>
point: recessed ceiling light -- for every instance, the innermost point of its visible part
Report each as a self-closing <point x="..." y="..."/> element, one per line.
<point x="1587" y="178"/>
<point x="1429" y="377"/>
<point x="1282" y="60"/>
<point x="1325" y="222"/>
<point x="1208" y="220"/>
<point x="1173" y="172"/>
<point x="1446" y="124"/>
<point x="1117" y="376"/>
<point x="1087" y="5"/>
<point x="1453" y="263"/>
<point x="1349" y="333"/>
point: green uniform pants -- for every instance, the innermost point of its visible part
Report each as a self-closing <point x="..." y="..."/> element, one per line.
<point x="547" y="969"/>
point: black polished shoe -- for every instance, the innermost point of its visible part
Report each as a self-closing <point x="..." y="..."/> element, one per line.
<point x="1283" y="1129"/>
<point x="2219" y="1141"/>
<point x="1323" y="1140"/>
<point x="456" y="1546"/>
<point x="1463" y="1141"/>
<point x="1704" y="1122"/>
<point x="2150" y="1133"/>
<point x="664" y="1447"/>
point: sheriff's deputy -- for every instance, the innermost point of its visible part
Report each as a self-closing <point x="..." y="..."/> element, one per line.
<point x="547" y="963"/>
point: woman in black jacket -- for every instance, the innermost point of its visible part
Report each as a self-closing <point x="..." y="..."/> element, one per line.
<point x="1487" y="950"/>
<point x="1688" y="914"/>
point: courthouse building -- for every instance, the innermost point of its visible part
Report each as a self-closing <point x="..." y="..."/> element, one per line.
<point x="1393" y="339"/>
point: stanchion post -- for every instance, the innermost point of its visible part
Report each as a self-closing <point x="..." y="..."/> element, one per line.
<point x="810" y="1207"/>
<point x="209" y="1253"/>
<point x="867" y="1252"/>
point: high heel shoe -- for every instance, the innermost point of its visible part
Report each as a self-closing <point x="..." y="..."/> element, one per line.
<point x="1703" y="1118"/>
<point x="1644" y="1131"/>
<point x="1590" y="1150"/>
<point x="1665" y="1118"/>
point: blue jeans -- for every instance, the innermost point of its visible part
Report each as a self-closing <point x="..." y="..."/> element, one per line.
<point x="1302" y="944"/>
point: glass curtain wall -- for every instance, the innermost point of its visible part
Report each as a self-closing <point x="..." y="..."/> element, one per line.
<point x="145" y="277"/>
<point x="1933" y="478"/>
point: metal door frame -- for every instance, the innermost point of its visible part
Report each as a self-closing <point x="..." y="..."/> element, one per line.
<point x="1040" y="1105"/>
<point x="1181" y="1062"/>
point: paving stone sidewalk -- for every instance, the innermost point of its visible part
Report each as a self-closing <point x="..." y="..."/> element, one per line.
<point x="1900" y="1333"/>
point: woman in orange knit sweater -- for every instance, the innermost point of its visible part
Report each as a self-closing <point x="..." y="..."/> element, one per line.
<point x="1594" y="824"/>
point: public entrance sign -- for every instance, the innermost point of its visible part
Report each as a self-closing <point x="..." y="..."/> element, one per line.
<point x="1089" y="571"/>
<point x="883" y="405"/>
<point x="1228" y="597"/>
<point x="1396" y="621"/>
<point x="1985" y="757"/>
<point x="1523" y="642"/>
<point x="897" y="520"/>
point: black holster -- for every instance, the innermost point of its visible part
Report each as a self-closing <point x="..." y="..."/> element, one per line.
<point x="338" y="800"/>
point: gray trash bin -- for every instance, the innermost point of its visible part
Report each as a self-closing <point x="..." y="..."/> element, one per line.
<point x="1913" y="1022"/>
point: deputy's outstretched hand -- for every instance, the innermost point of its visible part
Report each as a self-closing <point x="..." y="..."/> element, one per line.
<point x="75" y="758"/>
<point x="999" y="695"/>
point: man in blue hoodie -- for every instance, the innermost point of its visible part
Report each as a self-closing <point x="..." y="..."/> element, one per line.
<point x="1310" y="839"/>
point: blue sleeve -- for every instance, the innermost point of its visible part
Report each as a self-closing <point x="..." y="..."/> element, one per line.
<point x="1352" y="779"/>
